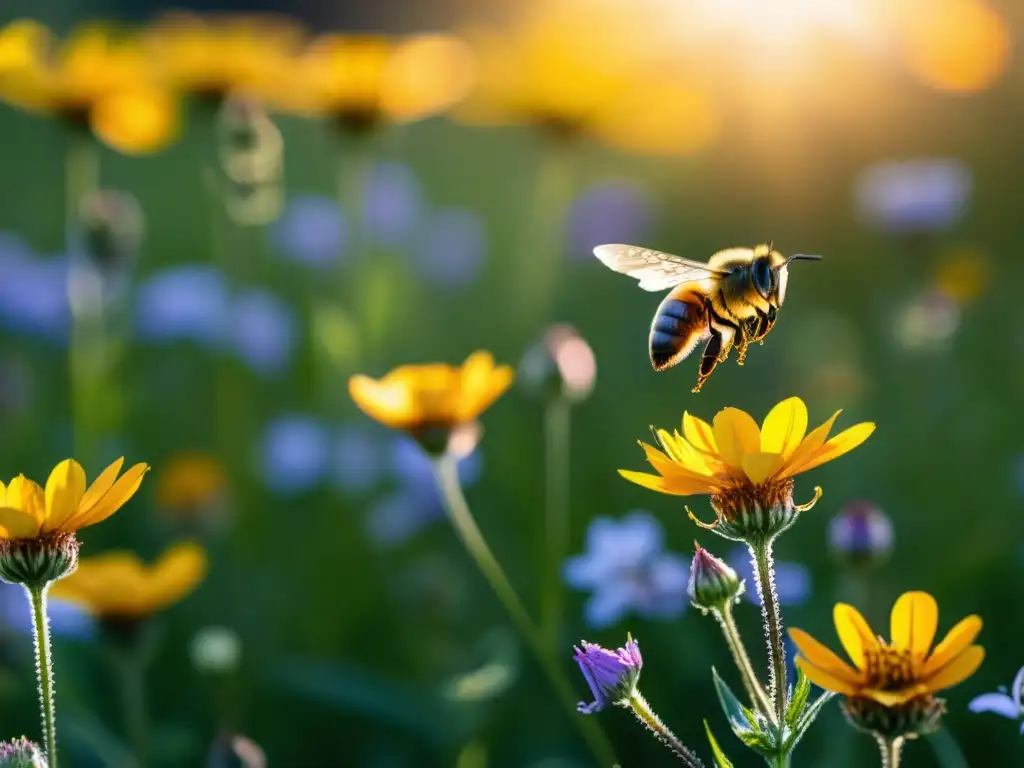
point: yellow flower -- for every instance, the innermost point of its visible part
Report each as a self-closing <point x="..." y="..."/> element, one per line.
<point x="364" y="81"/>
<point x="437" y="397"/>
<point x="893" y="682"/>
<point x="744" y="468"/>
<point x="96" y="78"/>
<point x="119" y="585"/>
<point x="214" y="56"/>
<point x="66" y="505"/>
<point x="599" y="79"/>
<point x="190" y="481"/>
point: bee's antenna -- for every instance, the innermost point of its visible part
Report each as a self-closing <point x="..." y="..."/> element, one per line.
<point x="803" y="257"/>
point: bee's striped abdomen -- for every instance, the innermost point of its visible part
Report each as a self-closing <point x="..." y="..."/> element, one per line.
<point x="679" y="324"/>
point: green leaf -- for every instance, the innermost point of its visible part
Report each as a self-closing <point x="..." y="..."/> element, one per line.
<point x="798" y="699"/>
<point x="806" y="719"/>
<point x="740" y="718"/>
<point x="720" y="759"/>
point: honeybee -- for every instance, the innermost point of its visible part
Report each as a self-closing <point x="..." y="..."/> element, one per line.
<point x="731" y="301"/>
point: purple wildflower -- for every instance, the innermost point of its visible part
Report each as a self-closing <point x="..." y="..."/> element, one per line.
<point x="611" y="675"/>
<point x="861" y="532"/>
<point x="1006" y="704"/>
<point x="609" y="212"/>
<point x="311" y="231"/>
<point x="922" y="195"/>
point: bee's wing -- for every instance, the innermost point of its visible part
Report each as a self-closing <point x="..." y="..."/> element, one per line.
<point x="655" y="270"/>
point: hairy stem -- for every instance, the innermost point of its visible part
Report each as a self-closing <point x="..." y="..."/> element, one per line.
<point x="765" y="576"/>
<point x="891" y="750"/>
<point x="44" y="670"/>
<point x="647" y="716"/>
<point x="556" y="476"/>
<point x="475" y="544"/>
<point x="753" y="686"/>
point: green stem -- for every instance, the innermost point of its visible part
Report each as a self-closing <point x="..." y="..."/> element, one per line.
<point x="557" y="444"/>
<point x="133" y="699"/>
<point x="765" y="573"/>
<point x="947" y="751"/>
<point x="85" y="352"/>
<point x="752" y="685"/>
<point x="475" y="544"/>
<point x="647" y="716"/>
<point x="891" y="750"/>
<point x="542" y="254"/>
<point x="44" y="670"/>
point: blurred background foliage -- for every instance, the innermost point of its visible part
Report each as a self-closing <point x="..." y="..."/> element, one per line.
<point x="340" y="623"/>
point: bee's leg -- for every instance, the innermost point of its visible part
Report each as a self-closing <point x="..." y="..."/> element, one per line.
<point x="764" y="321"/>
<point x="711" y="357"/>
<point x="743" y="338"/>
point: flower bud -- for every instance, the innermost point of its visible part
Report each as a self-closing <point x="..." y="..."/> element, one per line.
<point x="112" y="228"/>
<point x="611" y="675"/>
<point x="34" y="563"/>
<point x="217" y="650"/>
<point x="861" y="533"/>
<point x="712" y="582"/>
<point x="560" y="365"/>
<point x="21" y="753"/>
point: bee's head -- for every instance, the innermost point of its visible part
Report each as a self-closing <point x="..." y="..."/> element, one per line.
<point x="770" y="272"/>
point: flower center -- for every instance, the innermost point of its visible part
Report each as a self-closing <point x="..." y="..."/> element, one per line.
<point x="889" y="669"/>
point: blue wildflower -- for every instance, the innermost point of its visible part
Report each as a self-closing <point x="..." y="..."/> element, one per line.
<point x="185" y="303"/>
<point x="311" y="231"/>
<point x="450" y="249"/>
<point x="294" y="454"/>
<point x="1009" y="705"/>
<point x="66" y="619"/>
<point x="358" y="458"/>
<point x="262" y="331"/>
<point x="626" y="567"/>
<point x="611" y="675"/>
<point x="392" y="204"/>
<point x="922" y="195"/>
<point x="609" y="212"/>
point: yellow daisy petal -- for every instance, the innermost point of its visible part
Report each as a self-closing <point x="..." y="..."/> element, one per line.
<point x="671" y="486"/>
<point x="760" y="466"/>
<point x="65" y="489"/>
<point x="810" y="444"/>
<point x="915" y="616"/>
<point x="842" y="443"/>
<point x="854" y="633"/>
<point x="957" y="670"/>
<point x="668" y="468"/>
<point x="958" y="638"/>
<point x="113" y="500"/>
<point x="15" y="524"/>
<point x="176" y="574"/>
<point x="26" y="495"/>
<point x="822" y="657"/>
<point x="390" y="403"/>
<point x="895" y="698"/>
<point x="699" y="434"/>
<point x="736" y="435"/>
<point x="497" y="381"/>
<point x="784" y="427"/>
<point x="100" y="486"/>
<point x="684" y="454"/>
<point x="823" y="678"/>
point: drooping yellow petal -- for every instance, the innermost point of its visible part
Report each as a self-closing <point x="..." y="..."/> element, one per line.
<point x="684" y="454"/>
<point x="958" y="638"/>
<point x="736" y="435"/>
<point x="822" y="657"/>
<point x="64" y="491"/>
<point x="784" y="427"/>
<point x="842" y="443"/>
<point x="957" y="670"/>
<point x="113" y="500"/>
<point x="15" y="524"/>
<point x="854" y="633"/>
<point x="915" y="616"/>
<point x="671" y="486"/>
<point x="699" y="434"/>
<point x="823" y="678"/>
<point x="499" y="379"/>
<point x="896" y="698"/>
<point x="390" y="403"/>
<point x="760" y="466"/>
<point x="176" y="574"/>
<point x="810" y="444"/>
